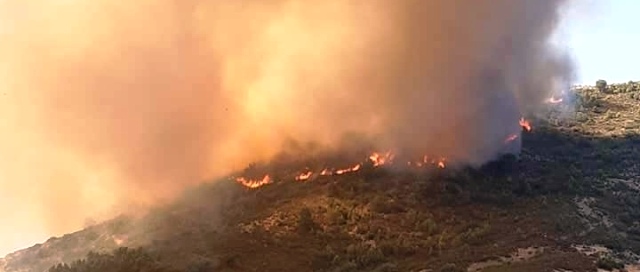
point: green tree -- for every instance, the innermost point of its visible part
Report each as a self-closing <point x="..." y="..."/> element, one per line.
<point x="601" y="85"/>
<point x="120" y="260"/>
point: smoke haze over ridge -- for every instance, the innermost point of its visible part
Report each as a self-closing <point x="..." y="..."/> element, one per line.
<point x="109" y="102"/>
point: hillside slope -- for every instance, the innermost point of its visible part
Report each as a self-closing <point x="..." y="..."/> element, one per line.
<point x="577" y="182"/>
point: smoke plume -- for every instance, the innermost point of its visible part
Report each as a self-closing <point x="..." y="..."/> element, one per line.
<point x="107" y="102"/>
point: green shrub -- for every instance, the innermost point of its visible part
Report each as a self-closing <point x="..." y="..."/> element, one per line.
<point x="364" y="255"/>
<point x="601" y="85"/>
<point x="305" y="221"/>
<point x="451" y="268"/>
<point x="383" y="205"/>
<point x="120" y="260"/>
<point x="428" y="226"/>
<point x="608" y="263"/>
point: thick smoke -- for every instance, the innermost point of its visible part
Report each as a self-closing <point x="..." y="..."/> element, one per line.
<point x="116" y="101"/>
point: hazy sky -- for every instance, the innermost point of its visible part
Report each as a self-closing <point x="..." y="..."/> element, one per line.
<point x="604" y="38"/>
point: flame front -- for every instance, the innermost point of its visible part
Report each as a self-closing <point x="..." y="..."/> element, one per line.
<point x="304" y="176"/>
<point x="377" y="160"/>
<point x="251" y="183"/>
<point x="440" y="163"/>
<point x="348" y="170"/>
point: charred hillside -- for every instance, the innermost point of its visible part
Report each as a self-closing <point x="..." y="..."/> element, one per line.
<point x="576" y="183"/>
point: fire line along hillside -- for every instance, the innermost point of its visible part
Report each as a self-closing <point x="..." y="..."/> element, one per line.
<point x="569" y="202"/>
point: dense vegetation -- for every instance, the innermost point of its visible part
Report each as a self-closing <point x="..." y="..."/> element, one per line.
<point x="120" y="260"/>
<point x="628" y="87"/>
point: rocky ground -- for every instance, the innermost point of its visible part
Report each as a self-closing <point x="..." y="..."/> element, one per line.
<point x="571" y="202"/>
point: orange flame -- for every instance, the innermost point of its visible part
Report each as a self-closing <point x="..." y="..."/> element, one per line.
<point x="348" y="170"/>
<point x="511" y="138"/>
<point x="553" y="100"/>
<point x="119" y="240"/>
<point x="376" y="158"/>
<point x="304" y="176"/>
<point x="441" y="163"/>
<point x="379" y="160"/>
<point x="525" y="124"/>
<point x="251" y="183"/>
